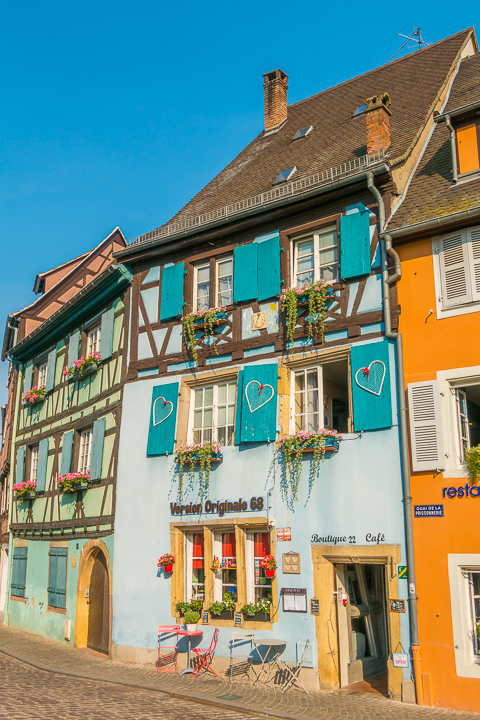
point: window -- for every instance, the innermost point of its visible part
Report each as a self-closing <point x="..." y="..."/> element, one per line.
<point x="85" y="451"/>
<point x="34" y="463"/>
<point x="225" y="281"/>
<point x="93" y="339"/>
<point x="57" y="577"/>
<point x="202" y="287"/>
<point x="468" y="417"/>
<point x="19" y="572"/>
<point x="225" y="578"/>
<point x="320" y="397"/>
<point x="468" y="146"/>
<point x="214" y="413"/>
<point x="284" y="175"/>
<point x="261" y="584"/>
<point x="315" y="257"/>
<point x="195" y="563"/>
<point x="42" y="374"/>
<point x="473" y="580"/>
<point x="303" y="132"/>
<point x="458" y="257"/>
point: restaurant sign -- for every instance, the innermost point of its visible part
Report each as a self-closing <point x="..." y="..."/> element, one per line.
<point x="254" y="504"/>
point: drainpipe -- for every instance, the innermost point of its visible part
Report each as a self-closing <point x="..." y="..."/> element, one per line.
<point x="453" y="147"/>
<point x="386" y="248"/>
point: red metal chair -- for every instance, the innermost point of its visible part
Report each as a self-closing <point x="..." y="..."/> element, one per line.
<point x="167" y="654"/>
<point x="205" y="656"/>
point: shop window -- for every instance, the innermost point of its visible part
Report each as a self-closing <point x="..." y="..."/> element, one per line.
<point x="225" y="552"/>
<point x="195" y="562"/>
<point x="473" y="581"/>
<point x="468" y="145"/>
<point x="85" y="450"/>
<point x="57" y="577"/>
<point x="259" y="587"/>
<point x="468" y="417"/>
<point x="93" y="339"/>
<point x="321" y="398"/>
<point x="225" y="281"/>
<point x="315" y="257"/>
<point x="202" y="287"/>
<point x="214" y="413"/>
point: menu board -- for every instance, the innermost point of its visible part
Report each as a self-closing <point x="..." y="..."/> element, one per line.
<point x="294" y="600"/>
<point x="205" y="617"/>
<point x="314" y="606"/>
<point x="238" y="619"/>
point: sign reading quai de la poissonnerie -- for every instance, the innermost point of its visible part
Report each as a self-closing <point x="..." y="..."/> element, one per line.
<point x="254" y="504"/>
<point x="428" y="511"/>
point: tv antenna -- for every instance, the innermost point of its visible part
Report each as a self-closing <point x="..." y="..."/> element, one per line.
<point x="415" y="38"/>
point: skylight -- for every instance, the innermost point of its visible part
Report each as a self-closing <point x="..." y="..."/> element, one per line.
<point x="303" y="132"/>
<point x="284" y="176"/>
<point x="360" y="109"/>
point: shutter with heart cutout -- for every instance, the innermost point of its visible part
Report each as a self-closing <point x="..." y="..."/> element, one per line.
<point x="163" y="416"/>
<point x="257" y="404"/>
<point x="371" y="392"/>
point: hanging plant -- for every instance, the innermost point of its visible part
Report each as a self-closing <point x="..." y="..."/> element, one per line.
<point x="72" y="482"/>
<point x="317" y="295"/>
<point x="34" y="396"/>
<point x="25" y="490"/>
<point x="82" y="367"/>
<point x="166" y="561"/>
<point x="472" y="463"/>
<point x="198" y="319"/>
<point x="269" y="564"/>
<point x="199" y="455"/>
<point x="293" y="447"/>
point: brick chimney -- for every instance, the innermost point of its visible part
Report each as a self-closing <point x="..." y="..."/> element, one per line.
<point x="378" y="123"/>
<point x="275" y="88"/>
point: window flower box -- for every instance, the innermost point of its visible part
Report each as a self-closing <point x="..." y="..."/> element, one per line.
<point x="73" y="482"/>
<point x="183" y="607"/>
<point x="293" y="447"/>
<point x="201" y="456"/>
<point x="25" y="490"/>
<point x="83" y="367"/>
<point x="257" y="612"/>
<point x="220" y="319"/>
<point x="223" y="615"/>
<point x="315" y="296"/>
<point x="257" y="617"/>
<point x="205" y="319"/>
<point x="35" y="396"/>
<point x="223" y="610"/>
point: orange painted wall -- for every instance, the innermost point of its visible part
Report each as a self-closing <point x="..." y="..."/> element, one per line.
<point x="431" y="345"/>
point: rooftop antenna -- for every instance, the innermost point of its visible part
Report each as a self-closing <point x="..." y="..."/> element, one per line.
<point x="415" y="37"/>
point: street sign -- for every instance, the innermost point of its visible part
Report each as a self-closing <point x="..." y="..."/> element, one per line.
<point x="402" y="571"/>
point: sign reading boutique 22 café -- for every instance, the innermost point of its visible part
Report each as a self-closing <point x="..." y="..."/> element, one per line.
<point x="219" y="506"/>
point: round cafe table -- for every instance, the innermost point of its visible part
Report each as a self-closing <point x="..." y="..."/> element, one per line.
<point x="266" y="667"/>
<point x="189" y="635"/>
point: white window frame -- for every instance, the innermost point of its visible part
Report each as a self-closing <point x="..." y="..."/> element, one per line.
<point x="34" y="462"/>
<point x="84" y="466"/>
<point x="250" y="563"/>
<point x="218" y="584"/>
<point x="42" y="373"/>
<point x="215" y="386"/>
<point x="459" y="565"/>
<point x="93" y="338"/>
<point x="465" y="307"/>
<point x="315" y="233"/>
<point x="304" y="369"/>
<point x="219" y="261"/>
<point x="201" y="266"/>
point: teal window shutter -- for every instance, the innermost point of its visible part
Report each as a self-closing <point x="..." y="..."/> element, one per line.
<point x="57" y="577"/>
<point x="42" y="464"/>
<point x="259" y="403"/>
<point x="268" y="268"/>
<point x="96" y="459"/>
<point x="355" y="243"/>
<point x="245" y="272"/>
<point x="106" y="334"/>
<point x="27" y="385"/>
<point x="51" y="363"/>
<point x="19" y="572"/>
<point x="67" y="447"/>
<point x="163" y="417"/>
<point x="238" y="414"/>
<point x="172" y="291"/>
<point x="20" y="466"/>
<point x="371" y="391"/>
<point x="73" y="345"/>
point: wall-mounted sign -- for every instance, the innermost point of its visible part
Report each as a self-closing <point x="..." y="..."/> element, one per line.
<point x="400" y="660"/>
<point x="464" y="491"/>
<point x="375" y="538"/>
<point x="294" y="600"/>
<point x="402" y="571"/>
<point x="238" y="619"/>
<point x="397" y="605"/>
<point x="428" y="510"/>
<point x="284" y="534"/>
<point x="314" y="606"/>
<point x="205" y="617"/>
<point x="219" y="506"/>
<point x="291" y="563"/>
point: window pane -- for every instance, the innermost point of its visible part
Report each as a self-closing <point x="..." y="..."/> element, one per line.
<point x="222" y="416"/>
<point x="300" y="381"/>
<point x="230" y="436"/>
<point x="207" y="436"/>
<point x="197" y="419"/>
<point x="328" y="272"/>
<point x="328" y="256"/>
<point x="232" y="391"/>
<point x="222" y="394"/>
<point x="312" y="401"/>
<point x="312" y="379"/>
<point x="221" y="435"/>
<point x="203" y="274"/>
<point x="197" y="436"/>
<point x="298" y="423"/>
<point x="312" y="422"/>
<point x="208" y="396"/>
<point x="198" y="398"/>
<point x="225" y="267"/>
<point x="305" y="247"/>
<point x="304" y="278"/>
<point x="327" y="239"/>
<point x="306" y="263"/>
<point x="231" y="414"/>
<point x="208" y="418"/>
<point x="299" y="403"/>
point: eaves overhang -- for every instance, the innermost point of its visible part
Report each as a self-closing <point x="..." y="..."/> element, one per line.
<point x="90" y="298"/>
<point x="9" y="335"/>
<point x="436" y="225"/>
<point x="463" y="110"/>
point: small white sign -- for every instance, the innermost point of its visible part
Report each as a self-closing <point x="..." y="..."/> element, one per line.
<point x="400" y="660"/>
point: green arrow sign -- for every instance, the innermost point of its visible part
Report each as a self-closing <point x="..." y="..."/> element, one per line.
<point x="402" y="571"/>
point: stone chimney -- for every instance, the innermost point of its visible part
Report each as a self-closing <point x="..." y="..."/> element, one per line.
<point x="378" y="123"/>
<point x="275" y="88"/>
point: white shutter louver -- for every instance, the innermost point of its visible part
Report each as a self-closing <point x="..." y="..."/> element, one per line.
<point x="454" y="270"/>
<point x="425" y="427"/>
<point x="473" y="249"/>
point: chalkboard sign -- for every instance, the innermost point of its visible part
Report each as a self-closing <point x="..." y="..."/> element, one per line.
<point x="238" y="619"/>
<point x="205" y="617"/>
<point x="397" y="605"/>
<point x="314" y="606"/>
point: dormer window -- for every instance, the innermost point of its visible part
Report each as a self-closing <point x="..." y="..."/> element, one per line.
<point x="284" y="176"/>
<point x="468" y="146"/>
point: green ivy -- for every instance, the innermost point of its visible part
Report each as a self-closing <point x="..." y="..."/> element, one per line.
<point x="210" y="318"/>
<point x="318" y="294"/>
<point x="291" y="446"/>
<point x="218" y="607"/>
<point x="472" y="463"/>
<point x="198" y="455"/>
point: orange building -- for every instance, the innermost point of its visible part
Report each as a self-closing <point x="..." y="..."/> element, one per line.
<point x="435" y="230"/>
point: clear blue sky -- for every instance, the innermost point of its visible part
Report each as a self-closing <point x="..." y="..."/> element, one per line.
<point x="117" y="113"/>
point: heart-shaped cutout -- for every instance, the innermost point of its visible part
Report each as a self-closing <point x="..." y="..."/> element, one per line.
<point x="371" y="378"/>
<point x="162" y="409"/>
<point x="257" y="395"/>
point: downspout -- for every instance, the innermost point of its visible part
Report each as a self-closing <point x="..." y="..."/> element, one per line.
<point x="453" y="147"/>
<point x="386" y="248"/>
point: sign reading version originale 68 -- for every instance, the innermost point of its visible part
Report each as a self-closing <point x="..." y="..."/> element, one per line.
<point x="255" y="504"/>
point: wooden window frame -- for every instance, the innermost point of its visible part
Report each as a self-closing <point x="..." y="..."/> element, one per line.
<point x="287" y="266"/>
<point x="314" y="233"/>
<point x="215" y="406"/>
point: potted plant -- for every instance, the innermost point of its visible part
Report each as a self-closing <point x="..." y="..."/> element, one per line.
<point x="315" y="295"/>
<point x="199" y="319"/>
<point x="191" y="618"/>
<point x="25" y="490"/>
<point x="260" y="612"/>
<point x="82" y="367"/>
<point x="472" y="463"/>
<point x="201" y="455"/>
<point x="183" y="607"/>
<point x="34" y="396"/>
<point x="269" y="565"/>
<point x="223" y="610"/>
<point x="167" y="560"/>
<point x="73" y="482"/>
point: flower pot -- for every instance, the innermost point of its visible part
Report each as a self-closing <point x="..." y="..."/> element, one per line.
<point x="270" y="572"/>
<point x="168" y="568"/>
<point x="87" y="370"/>
<point x="224" y="615"/>
<point x="258" y="617"/>
<point x="37" y="401"/>
<point x="200" y="323"/>
<point x="30" y="495"/>
<point x="191" y="627"/>
<point x="76" y="487"/>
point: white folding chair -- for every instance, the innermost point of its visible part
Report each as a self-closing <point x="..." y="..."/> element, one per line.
<point x="241" y="645"/>
<point x="293" y="671"/>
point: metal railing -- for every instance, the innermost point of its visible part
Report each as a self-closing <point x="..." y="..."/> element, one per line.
<point x="278" y="193"/>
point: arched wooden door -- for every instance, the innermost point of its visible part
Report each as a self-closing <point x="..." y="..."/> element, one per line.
<point x="98" y="613"/>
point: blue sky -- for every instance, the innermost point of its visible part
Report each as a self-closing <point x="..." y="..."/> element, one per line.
<point x="117" y="113"/>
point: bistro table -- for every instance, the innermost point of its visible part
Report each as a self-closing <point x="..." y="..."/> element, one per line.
<point x="189" y="635"/>
<point x="271" y="644"/>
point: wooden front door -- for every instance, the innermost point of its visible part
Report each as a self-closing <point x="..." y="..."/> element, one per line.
<point x="98" y="614"/>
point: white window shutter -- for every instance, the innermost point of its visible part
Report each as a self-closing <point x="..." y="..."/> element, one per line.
<point x="454" y="270"/>
<point x="473" y="250"/>
<point x="425" y="426"/>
